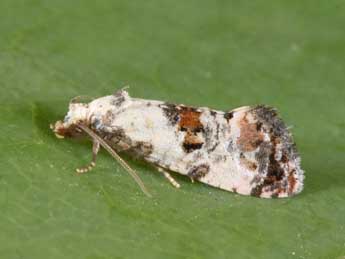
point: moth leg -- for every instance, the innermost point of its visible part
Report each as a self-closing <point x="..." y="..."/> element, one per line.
<point x="112" y="152"/>
<point x="95" y="149"/>
<point x="168" y="176"/>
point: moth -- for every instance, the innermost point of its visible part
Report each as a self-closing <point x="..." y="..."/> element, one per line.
<point x="248" y="150"/>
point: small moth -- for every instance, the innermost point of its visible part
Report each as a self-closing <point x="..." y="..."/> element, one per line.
<point x="248" y="150"/>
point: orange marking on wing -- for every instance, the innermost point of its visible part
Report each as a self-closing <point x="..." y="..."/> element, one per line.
<point x="190" y="119"/>
<point x="250" y="138"/>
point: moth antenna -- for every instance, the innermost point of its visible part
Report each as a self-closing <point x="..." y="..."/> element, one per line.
<point x="117" y="158"/>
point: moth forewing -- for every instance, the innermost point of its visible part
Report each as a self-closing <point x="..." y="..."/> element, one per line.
<point x="248" y="150"/>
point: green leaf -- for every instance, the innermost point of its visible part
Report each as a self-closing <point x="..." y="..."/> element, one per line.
<point x="222" y="54"/>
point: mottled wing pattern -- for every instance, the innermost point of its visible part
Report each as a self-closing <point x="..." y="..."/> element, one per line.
<point x="248" y="150"/>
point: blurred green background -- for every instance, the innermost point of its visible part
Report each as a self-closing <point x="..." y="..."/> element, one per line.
<point x="222" y="54"/>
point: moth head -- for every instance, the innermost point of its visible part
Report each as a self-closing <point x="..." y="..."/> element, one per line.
<point x="88" y="113"/>
<point x="77" y="114"/>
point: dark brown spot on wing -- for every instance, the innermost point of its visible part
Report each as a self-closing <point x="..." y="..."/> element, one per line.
<point x="190" y="147"/>
<point x="213" y="113"/>
<point x="191" y="142"/>
<point x="141" y="149"/>
<point x="118" y="140"/>
<point x="171" y="111"/>
<point x="199" y="171"/>
<point x="274" y="172"/>
<point x="284" y="158"/>
<point x="257" y="190"/>
<point x="258" y="126"/>
<point x="273" y="181"/>
<point x="228" y="116"/>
